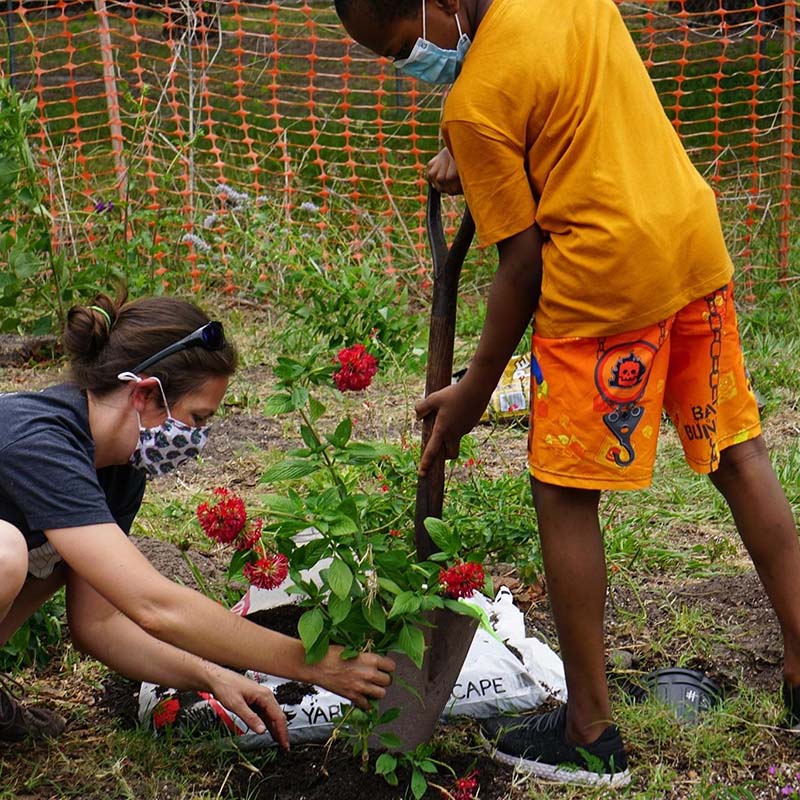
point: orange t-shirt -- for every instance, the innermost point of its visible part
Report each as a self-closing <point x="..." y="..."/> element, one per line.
<point x="554" y="119"/>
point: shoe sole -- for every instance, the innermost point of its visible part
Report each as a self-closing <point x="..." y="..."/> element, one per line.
<point x="549" y="772"/>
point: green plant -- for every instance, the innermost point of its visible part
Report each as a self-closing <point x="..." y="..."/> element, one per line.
<point x="373" y="593"/>
<point x="26" y="246"/>
<point x="33" y="643"/>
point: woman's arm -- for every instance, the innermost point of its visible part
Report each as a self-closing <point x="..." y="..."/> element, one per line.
<point x="112" y="565"/>
<point x="100" y="630"/>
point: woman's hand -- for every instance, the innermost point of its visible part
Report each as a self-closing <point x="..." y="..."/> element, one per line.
<point x="358" y="679"/>
<point x="458" y="410"/>
<point x="443" y="173"/>
<point x="252" y="703"/>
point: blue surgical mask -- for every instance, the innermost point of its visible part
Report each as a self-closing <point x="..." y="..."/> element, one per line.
<point x="433" y="64"/>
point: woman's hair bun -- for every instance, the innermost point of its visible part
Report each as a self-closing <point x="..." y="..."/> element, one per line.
<point x="88" y="328"/>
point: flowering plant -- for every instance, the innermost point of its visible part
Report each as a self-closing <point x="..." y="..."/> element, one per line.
<point x="372" y="592"/>
<point x="359" y="499"/>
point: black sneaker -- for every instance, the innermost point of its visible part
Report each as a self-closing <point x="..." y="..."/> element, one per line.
<point x="18" y="722"/>
<point x="537" y="745"/>
<point x="791" y="702"/>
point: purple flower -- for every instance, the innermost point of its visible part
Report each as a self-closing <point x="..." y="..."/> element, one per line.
<point x="786" y="791"/>
<point x="102" y="206"/>
<point x="772" y="770"/>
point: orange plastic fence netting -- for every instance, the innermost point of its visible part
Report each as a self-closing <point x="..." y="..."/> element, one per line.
<point x="158" y="103"/>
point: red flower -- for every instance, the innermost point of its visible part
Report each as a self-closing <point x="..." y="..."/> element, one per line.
<point x="249" y="535"/>
<point x="462" y="580"/>
<point x="395" y="533"/>
<point x="357" y="370"/>
<point x="268" y="572"/>
<point x="166" y="712"/>
<point x="224" y="519"/>
<point x="466" y="787"/>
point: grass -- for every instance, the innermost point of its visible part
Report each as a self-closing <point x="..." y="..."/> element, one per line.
<point x="674" y="536"/>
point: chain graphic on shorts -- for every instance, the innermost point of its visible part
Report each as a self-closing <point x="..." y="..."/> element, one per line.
<point x="715" y="352"/>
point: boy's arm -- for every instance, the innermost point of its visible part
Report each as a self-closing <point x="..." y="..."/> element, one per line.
<point x="513" y="297"/>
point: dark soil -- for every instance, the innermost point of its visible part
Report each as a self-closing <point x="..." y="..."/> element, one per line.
<point x="749" y="652"/>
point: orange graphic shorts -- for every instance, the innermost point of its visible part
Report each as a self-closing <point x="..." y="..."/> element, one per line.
<point x="596" y="403"/>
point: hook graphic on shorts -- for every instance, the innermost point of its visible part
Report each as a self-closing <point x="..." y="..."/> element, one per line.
<point x="622" y="423"/>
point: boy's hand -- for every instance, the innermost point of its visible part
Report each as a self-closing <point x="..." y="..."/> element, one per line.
<point x="458" y="409"/>
<point x="443" y="173"/>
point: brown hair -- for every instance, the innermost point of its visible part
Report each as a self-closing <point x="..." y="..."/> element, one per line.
<point x="112" y="336"/>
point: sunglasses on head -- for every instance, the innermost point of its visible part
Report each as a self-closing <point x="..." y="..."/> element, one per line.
<point x="210" y="336"/>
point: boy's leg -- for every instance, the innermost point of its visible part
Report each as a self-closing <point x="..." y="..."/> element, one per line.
<point x="764" y="519"/>
<point x="575" y="569"/>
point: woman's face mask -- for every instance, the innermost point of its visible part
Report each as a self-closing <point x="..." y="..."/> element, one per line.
<point x="433" y="64"/>
<point x="163" y="448"/>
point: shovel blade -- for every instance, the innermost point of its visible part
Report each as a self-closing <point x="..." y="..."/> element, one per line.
<point x="422" y="694"/>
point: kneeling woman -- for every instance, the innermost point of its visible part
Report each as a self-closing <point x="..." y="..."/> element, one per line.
<point x="146" y="378"/>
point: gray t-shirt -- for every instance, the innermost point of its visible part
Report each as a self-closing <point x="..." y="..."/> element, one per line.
<point x="47" y="474"/>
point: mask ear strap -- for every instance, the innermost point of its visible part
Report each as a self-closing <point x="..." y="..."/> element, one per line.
<point x="458" y="25"/>
<point x="424" y="23"/>
<point x="130" y="376"/>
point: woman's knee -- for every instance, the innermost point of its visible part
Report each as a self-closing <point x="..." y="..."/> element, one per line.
<point x="13" y="563"/>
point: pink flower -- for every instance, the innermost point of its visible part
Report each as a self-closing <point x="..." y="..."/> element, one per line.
<point x="462" y="580"/>
<point x="268" y="572"/>
<point x="224" y="519"/>
<point x="357" y="370"/>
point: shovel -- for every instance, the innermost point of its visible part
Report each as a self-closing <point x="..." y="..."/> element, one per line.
<point x="422" y="694"/>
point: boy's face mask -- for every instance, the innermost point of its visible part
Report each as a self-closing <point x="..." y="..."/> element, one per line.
<point x="162" y="449"/>
<point x="433" y="64"/>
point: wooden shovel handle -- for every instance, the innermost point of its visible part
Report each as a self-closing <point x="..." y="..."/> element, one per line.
<point x="447" y="264"/>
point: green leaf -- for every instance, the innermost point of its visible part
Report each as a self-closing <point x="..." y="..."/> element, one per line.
<point x="359" y="453"/>
<point x="405" y="603"/>
<point x="342" y="526"/>
<point x="339" y="609"/>
<point x="291" y="469"/>
<point x="24" y="263"/>
<point x="289" y="370"/>
<point x="278" y="404"/>
<point x="386" y="764"/>
<point x="316" y="409"/>
<point x="341" y="436"/>
<point x="280" y="504"/>
<point x="442" y="535"/>
<point x="389" y="586"/>
<point x="317" y="652"/>
<point x="390" y="740"/>
<point x="390" y="716"/>
<point x="411" y="641"/>
<point x="299" y="396"/>
<point x="340" y="578"/>
<point x="418" y="784"/>
<point x="309" y="437"/>
<point x="428" y="766"/>
<point x="240" y="558"/>
<point x="310" y="627"/>
<point x="375" y="616"/>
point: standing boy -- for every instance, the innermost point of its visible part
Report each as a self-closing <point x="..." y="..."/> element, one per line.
<point x="606" y="230"/>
